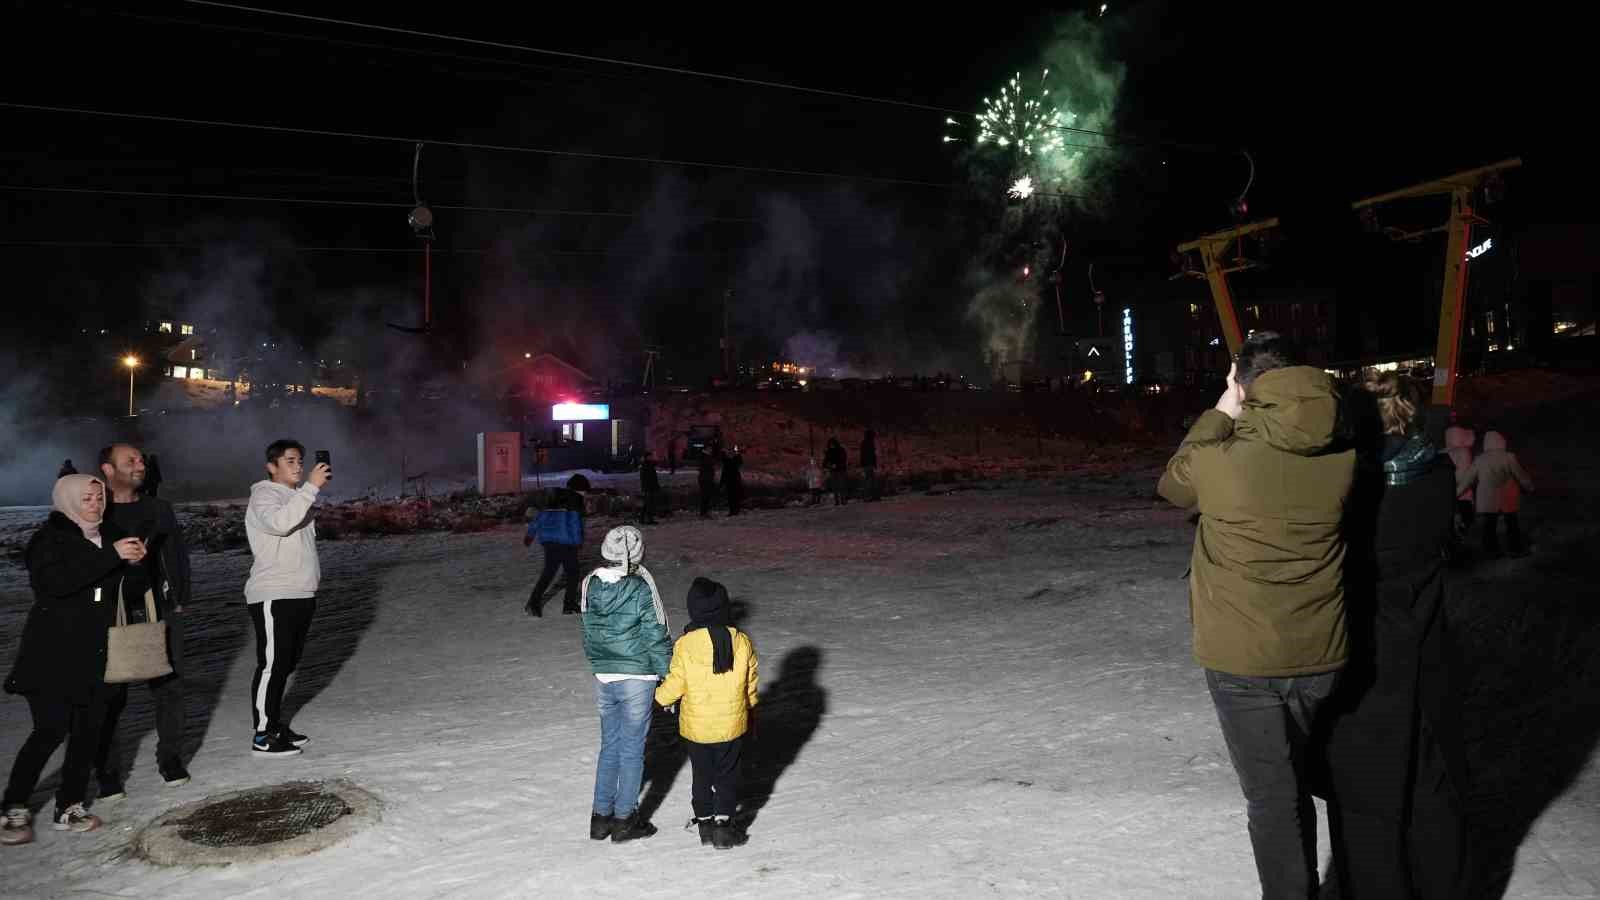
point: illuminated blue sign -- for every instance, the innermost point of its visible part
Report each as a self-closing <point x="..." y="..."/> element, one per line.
<point x="1127" y="344"/>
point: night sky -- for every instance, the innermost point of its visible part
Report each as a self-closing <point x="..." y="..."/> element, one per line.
<point x="1332" y="106"/>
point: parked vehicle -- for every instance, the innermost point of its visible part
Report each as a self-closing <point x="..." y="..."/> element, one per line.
<point x="701" y="439"/>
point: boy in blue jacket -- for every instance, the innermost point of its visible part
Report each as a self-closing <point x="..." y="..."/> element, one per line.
<point x="559" y="530"/>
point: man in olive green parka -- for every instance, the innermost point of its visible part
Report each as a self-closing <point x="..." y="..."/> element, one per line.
<point x="1269" y="477"/>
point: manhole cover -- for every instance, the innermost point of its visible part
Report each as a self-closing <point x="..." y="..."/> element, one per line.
<point x="290" y="819"/>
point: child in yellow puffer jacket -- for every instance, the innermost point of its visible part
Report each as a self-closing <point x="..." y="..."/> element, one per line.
<point x="714" y="674"/>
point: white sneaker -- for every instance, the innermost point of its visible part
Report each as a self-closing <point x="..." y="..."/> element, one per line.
<point x="76" y="819"/>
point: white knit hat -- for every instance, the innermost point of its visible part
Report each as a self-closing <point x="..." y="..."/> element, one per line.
<point x="623" y="544"/>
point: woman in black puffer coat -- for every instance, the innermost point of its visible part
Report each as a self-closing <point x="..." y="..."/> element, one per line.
<point x="1391" y="731"/>
<point x="75" y="562"/>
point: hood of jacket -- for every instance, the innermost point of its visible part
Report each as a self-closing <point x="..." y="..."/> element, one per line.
<point x="1295" y="410"/>
<point x="1458" y="438"/>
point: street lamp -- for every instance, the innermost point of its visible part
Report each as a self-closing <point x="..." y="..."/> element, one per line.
<point x="132" y="362"/>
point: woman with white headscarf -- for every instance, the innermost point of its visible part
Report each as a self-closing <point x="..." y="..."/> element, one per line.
<point x="75" y="562"/>
<point x="626" y="640"/>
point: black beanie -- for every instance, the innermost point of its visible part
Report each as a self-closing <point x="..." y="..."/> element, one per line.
<point x="708" y="609"/>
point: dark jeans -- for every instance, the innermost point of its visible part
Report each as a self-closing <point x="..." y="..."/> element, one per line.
<point x="708" y="493"/>
<point x="1491" y="539"/>
<point x="557" y="556"/>
<point x="869" y="475"/>
<point x="57" y="719"/>
<point x="167" y="693"/>
<point x="1266" y="723"/>
<point x="281" y="629"/>
<point x="716" y="777"/>
<point x="735" y="498"/>
<point x="648" y="503"/>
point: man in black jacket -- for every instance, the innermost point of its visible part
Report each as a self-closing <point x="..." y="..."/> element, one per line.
<point x="649" y="488"/>
<point x="165" y="571"/>
<point x="835" y="462"/>
<point x="708" y="479"/>
<point x="733" y="479"/>
<point x="869" y="464"/>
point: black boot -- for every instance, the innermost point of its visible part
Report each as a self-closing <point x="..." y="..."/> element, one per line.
<point x="725" y="835"/>
<point x="600" y="827"/>
<point x="631" y="829"/>
<point x="705" y="829"/>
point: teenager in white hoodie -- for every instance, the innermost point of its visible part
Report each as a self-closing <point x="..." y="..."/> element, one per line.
<point x="281" y="592"/>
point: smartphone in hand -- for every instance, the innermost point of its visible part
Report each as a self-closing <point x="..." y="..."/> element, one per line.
<point x="325" y="458"/>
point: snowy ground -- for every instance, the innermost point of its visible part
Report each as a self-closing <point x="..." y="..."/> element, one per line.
<point x="986" y="693"/>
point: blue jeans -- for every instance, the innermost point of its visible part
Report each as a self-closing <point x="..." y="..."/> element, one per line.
<point x="624" y="724"/>
<point x="1267" y="723"/>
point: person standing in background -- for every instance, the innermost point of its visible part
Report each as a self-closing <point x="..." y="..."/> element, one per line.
<point x="152" y="476"/>
<point x="733" y="480"/>
<point x="708" y="479"/>
<point x="649" y="488"/>
<point x="869" y="464"/>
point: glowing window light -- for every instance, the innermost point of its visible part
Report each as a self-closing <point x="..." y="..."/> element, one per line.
<point x="1127" y="344"/>
<point x="580" y="412"/>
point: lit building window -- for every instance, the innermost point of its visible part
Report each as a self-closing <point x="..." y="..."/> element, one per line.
<point x="180" y="371"/>
<point x="194" y="354"/>
<point x="197" y="372"/>
<point x="1194" y="309"/>
<point x="1256" y="312"/>
<point x="186" y="329"/>
<point x="164" y="328"/>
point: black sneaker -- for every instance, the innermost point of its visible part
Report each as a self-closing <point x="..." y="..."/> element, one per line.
<point x="725" y="835"/>
<point x="631" y="829"/>
<point x="705" y="829"/>
<point x="600" y="827"/>
<point x="173" y="773"/>
<point x="288" y="734"/>
<point x="272" y="745"/>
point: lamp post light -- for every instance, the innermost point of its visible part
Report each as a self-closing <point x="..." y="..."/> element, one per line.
<point x="132" y="362"/>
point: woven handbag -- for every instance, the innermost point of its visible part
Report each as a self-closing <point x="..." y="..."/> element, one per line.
<point x="136" y="652"/>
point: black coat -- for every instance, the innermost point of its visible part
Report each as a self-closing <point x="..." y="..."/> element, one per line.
<point x="708" y="470"/>
<point x="731" y="466"/>
<point x="834" y="459"/>
<point x="1398" y="674"/>
<point x="167" y="564"/>
<point x="649" y="481"/>
<point x="869" y="453"/>
<point x="63" y="648"/>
